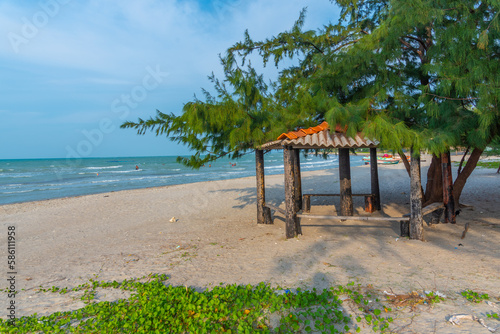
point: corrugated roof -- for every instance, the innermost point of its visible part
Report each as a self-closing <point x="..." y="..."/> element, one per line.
<point x="319" y="137"/>
<point x="312" y="130"/>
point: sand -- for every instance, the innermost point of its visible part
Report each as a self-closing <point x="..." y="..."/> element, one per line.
<point x="215" y="238"/>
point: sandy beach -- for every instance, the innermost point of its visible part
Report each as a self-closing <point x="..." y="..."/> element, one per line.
<point x="215" y="238"/>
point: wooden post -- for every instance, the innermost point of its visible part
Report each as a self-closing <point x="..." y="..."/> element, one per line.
<point x="404" y="226"/>
<point x="307" y="203"/>
<point x="374" y="177"/>
<point x="369" y="206"/>
<point x="268" y="219"/>
<point x="346" y="206"/>
<point x="448" y="200"/>
<point x="291" y="217"/>
<point x="261" y="187"/>
<point x="416" y="219"/>
<point x="298" y="179"/>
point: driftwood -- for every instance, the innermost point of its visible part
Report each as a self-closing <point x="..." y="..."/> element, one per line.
<point x="455" y="320"/>
<point x="275" y="208"/>
<point x="465" y="230"/>
<point x="431" y="208"/>
<point x="428" y="209"/>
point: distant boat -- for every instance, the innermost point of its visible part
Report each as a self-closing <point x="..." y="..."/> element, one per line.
<point x="388" y="160"/>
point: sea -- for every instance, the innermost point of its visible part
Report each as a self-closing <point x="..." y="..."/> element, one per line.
<point x="26" y="180"/>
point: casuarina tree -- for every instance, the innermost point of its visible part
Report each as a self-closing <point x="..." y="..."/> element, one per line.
<point x="412" y="74"/>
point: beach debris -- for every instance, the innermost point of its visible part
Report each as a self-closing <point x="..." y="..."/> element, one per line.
<point x="286" y="292"/>
<point x="466" y="229"/>
<point x="413" y="299"/>
<point x="456" y="318"/>
<point x="436" y="293"/>
<point x="329" y="264"/>
<point x="173" y="220"/>
<point x="494" y="305"/>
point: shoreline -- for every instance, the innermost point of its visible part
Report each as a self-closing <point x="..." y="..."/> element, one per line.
<point x="126" y="234"/>
<point x="425" y="162"/>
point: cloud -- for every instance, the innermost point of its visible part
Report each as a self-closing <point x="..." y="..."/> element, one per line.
<point x="72" y="65"/>
<point x="108" y="36"/>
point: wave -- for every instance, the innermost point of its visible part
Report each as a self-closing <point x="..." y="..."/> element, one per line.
<point x="104" y="167"/>
<point x="125" y="171"/>
<point x="105" y="181"/>
<point x="17" y="192"/>
<point x="13" y="185"/>
<point x="275" y="167"/>
<point x="17" y="175"/>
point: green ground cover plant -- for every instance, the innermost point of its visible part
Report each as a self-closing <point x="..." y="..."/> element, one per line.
<point x="484" y="164"/>
<point x="474" y="297"/>
<point x="488" y="164"/>
<point x="155" y="307"/>
<point x="493" y="315"/>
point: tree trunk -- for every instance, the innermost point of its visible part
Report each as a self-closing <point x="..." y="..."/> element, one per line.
<point x="461" y="179"/>
<point x="416" y="219"/>
<point x="449" y="203"/>
<point x="291" y="216"/>
<point x="434" y="185"/>
<point x="261" y="188"/>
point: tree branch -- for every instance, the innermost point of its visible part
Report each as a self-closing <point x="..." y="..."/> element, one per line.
<point x="453" y="98"/>
<point x="408" y="45"/>
<point x="462" y="161"/>
<point x="418" y="40"/>
<point x="405" y="162"/>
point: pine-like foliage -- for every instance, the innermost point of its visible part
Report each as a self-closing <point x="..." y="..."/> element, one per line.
<point x="421" y="74"/>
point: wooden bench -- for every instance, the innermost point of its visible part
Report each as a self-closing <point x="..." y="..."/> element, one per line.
<point x="306" y="200"/>
<point x="404" y="220"/>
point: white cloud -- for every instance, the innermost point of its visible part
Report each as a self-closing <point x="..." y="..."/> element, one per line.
<point x="91" y="51"/>
<point x="110" y="36"/>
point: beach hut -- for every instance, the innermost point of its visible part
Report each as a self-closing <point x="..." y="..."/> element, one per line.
<point x="297" y="204"/>
<point x="318" y="137"/>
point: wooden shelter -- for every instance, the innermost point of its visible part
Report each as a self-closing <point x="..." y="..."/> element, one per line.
<point x="318" y="137"/>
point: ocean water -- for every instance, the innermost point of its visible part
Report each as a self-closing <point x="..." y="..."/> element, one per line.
<point x="40" y="179"/>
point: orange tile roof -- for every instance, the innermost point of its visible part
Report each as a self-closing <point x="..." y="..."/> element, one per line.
<point x="312" y="130"/>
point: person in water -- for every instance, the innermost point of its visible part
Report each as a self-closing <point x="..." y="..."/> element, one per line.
<point x="136" y="167"/>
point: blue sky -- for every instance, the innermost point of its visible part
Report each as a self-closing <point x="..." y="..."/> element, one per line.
<point x="72" y="71"/>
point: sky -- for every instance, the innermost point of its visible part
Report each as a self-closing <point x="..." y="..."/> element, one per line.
<point x="72" y="71"/>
